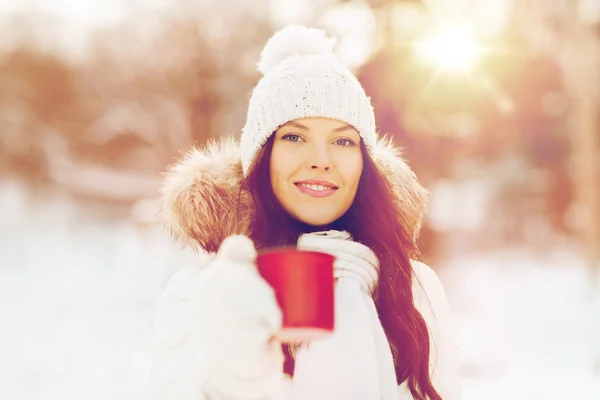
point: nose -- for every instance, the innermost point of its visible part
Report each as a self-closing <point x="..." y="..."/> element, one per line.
<point x="323" y="167"/>
<point x="320" y="160"/>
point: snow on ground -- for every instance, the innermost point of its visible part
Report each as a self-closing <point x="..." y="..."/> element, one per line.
<point x="77" y="297"/>
<point x="528" y="325"/>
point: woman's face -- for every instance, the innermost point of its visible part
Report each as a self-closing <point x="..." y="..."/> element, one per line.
<point x="315" y="168"/>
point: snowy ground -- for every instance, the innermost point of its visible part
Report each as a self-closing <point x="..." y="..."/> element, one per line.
<point x="528" y="325"/>
<point x="77" y="298"/>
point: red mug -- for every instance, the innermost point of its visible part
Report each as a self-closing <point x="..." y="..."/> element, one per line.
<point x="304" y="287"/>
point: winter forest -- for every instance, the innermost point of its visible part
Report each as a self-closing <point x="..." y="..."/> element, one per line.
<point x="496" y="105"/>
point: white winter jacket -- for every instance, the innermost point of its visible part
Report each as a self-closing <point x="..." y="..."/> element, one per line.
<point x="200" y="208"/>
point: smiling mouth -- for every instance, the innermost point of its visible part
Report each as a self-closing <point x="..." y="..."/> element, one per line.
<point x="315" y="190"/>
<point x="315" y="187"/>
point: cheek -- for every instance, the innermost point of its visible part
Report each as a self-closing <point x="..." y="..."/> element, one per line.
<point x="352" y="170"/>
<point x="275" y="173"/>
<point x="280" y="171"/>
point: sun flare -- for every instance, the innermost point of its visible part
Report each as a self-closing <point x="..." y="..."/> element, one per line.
<point x="449" y="50"/>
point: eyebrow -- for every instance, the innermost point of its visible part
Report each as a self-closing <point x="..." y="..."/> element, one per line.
<point x="306" y="128"/>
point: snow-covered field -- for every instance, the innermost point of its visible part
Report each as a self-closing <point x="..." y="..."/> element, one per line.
<point x="77" y="297"/>
<point x="528" y="325"/>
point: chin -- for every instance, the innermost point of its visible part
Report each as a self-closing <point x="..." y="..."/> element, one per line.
<point x="316" y="221"/>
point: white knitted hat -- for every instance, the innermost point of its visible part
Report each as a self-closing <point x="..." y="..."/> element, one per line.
<point x="303" y="78"/>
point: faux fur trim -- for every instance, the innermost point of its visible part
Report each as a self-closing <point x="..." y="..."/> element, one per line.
<point x="202" y="202"/>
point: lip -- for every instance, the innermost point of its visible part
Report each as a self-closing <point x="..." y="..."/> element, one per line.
<point x="320" y="182"/>
<point x="316" y="193"/>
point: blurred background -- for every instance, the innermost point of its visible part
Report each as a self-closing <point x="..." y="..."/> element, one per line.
<point x="495" y="104"/>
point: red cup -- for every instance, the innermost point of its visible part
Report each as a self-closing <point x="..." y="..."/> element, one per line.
<point x="303" y="283"/>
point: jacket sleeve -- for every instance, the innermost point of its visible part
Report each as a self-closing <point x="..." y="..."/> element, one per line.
<point x="181" y="369"/>
<point x="430" y="299"/>
<point x="177" y="359"/>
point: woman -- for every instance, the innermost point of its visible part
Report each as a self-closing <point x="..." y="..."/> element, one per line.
<point x="309" y="161"/>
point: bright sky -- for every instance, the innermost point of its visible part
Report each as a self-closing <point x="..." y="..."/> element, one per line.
<point x="79" y="17"/>
<point x="73" y="20"/>
<point x="87" y="13"/>
<point x="68" y="23"/>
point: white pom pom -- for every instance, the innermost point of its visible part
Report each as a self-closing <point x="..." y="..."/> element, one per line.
<point x="294" y="40"/>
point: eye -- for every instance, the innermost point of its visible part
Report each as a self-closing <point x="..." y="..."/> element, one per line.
<point x="344" y="142"/>
<point x="292" y="137"/>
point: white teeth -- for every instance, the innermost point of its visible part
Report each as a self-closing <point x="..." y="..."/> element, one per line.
<point x="315" y="187"/>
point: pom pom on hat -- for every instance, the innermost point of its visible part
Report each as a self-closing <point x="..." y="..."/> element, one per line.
<point x="294" y="40"/>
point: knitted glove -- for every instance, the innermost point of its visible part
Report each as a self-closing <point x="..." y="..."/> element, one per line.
<point x="239" y="315"/>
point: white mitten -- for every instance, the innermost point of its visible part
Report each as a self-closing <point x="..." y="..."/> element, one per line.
<point x="239" y="315"/>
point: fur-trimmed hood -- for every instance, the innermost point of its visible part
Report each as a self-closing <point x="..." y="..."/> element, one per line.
<point x="199" y="204"/>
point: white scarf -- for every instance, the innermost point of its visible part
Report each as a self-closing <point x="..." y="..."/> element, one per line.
<point x="355" y="362"/>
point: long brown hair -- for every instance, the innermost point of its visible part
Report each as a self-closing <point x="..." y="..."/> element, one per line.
<point x="369" y="220"/>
